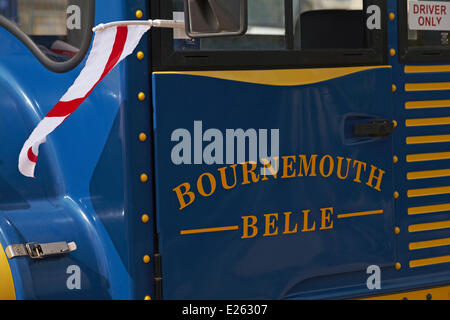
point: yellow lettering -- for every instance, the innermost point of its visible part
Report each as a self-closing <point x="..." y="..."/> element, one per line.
<point x="246" y="225"/>
<point x="181" y="195"/>
<point x="287" y="164"/>
<point x="331" y="168"/>
<point x="358" y="170"/>
<point x="308" y="165"/>
<point x="339" y="168"/>
<point x="372" y="176"/>
<point x="327" y="223"/>
<point x="245" y="172"/>
<point x="270" y="224"/>
<point x="212" y="182"/>
<point x="287" y="217"/>
<point x="223" y="177"/>
<point x="305" y="222"/>
<point x="268" y="165"/>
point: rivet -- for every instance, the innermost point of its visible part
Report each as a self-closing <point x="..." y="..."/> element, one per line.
<point x="144" y="177"/>
<point x="146" y="258"/>
<point x="397" y="230"/>
<point x="392" y="16"/>
<point x="148" y="298"/>
<point x="142" y="137"/>
<point x="394" y="123"/>
<point x="396" y="195"/>
<point x="139" y="14"/>
<point x="392" y="52"/>
<point x="141" y="96"/>
<point x="145" y="218"/>
<point x="395" y="159"/>
<point x="140" y="55"/>
<point x="394" y="88"/>
<point x="398" y="266"/>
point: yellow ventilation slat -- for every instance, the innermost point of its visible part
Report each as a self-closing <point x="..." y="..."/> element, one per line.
<point x="431" y="86"/>
<point x="429" y="209"/>
<point x="428" y="139"/>
<point x="428" y="261"/>
<point x="429" y="244"/>
<point x="427" y="122"/>
<point x="428" y="156"/>
<point x="428" y="192"/>
<point x="429" y="226"/>
<point x="427" y="69"/>
<point x="427" y="104"/>
<point x="428" y="174"/>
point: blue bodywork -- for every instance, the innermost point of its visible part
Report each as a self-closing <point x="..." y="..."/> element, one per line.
<point x="88" y="189"/>
<point x="314" y="119"/>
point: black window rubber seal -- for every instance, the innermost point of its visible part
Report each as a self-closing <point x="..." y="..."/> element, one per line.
<point x="57" y="67"/>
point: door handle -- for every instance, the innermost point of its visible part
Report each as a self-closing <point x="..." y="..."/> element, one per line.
<point x="376" y="128"/>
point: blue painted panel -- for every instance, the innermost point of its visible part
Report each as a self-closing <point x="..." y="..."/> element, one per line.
<point x="83" y="178"/>
<point x="313" y="120"/>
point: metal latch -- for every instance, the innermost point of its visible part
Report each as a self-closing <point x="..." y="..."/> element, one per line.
<point x="376" y="128"/>
<point x="38" y="251"/>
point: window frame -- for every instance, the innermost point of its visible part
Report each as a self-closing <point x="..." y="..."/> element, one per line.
<point x="57" y="67"/>
<point x="416" y="54"/>
<point x="164" y="58"/>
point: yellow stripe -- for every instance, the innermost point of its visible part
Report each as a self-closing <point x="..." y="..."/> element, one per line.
<point x="209" y="230"/>
<point x="357" y="214"/>
<point x="428" y="174"/>
<point x="427" y="104"/>
<point x="7" y="291"/>
<point x="440" y="293"/>
<point x="426" y="69"/>
<point x="428" y="139"/>
<point x="429" y="226"/>
<point x="428" y="261"/>
<point x="287" y="77"/>
<point x="428" y="192"/>
<point x="429" y="244"/>
<point x="428" y="156"/>
<point x="432" y="86"/>
<point x="429" y="209"/>
<point x="427" y="122"/>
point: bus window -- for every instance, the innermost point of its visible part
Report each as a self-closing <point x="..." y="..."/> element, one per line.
<point x="329" y="24"/>
<point x="318" y="24"/>
<point x="60" y="30"/>
<point x="266" y="29"/>
<point x="426" y="38"/>
<point x="285" y="33"/>
<point x="423" y="31"/>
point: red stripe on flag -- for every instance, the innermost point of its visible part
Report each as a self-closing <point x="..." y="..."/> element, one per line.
<point x="31" y="156"/>
<point x="65" y="108"/>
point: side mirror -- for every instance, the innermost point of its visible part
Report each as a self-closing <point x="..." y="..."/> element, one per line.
<point x="215" y="18"/>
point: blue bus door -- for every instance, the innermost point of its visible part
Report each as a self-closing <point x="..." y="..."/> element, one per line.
<point x="310" y="223"/>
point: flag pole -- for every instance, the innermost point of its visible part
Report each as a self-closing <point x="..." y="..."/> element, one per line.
<point x="173" y="24"/>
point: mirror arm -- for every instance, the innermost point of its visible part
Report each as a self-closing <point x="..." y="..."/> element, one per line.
<point x="172" y="24"/>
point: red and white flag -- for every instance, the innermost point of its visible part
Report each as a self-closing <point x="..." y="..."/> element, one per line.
<point x="111" y="46"/>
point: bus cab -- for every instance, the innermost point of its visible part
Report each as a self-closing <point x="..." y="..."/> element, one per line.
<point x="305" y="156"/>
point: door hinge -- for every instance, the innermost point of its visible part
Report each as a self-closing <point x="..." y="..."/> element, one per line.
<point x="36" y="250"/>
